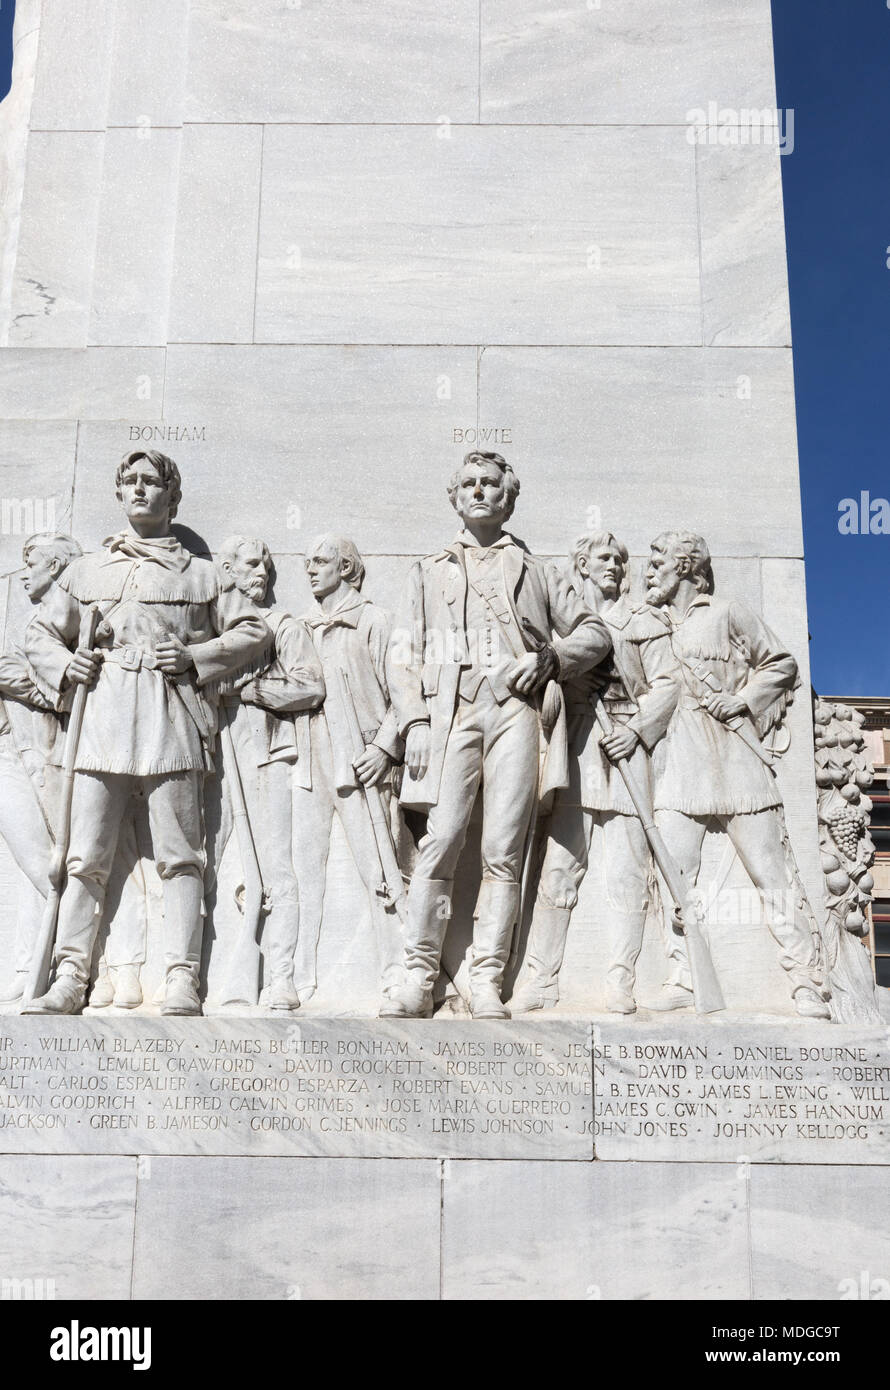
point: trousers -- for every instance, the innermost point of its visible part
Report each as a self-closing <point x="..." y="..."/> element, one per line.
<point x="314" y="811"/>
<point x="758" y="839"/>
<point x="175" y="817"/>
<point x="497" y="745"/>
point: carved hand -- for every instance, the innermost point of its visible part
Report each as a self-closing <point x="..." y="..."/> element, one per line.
<point x="725" y="706"/>
<point x="248" y="693"/>
<point x="417" y="750"/>
<point x="83" y="668"/>
<point x="532" y="671"/>
<point x="371" y="766"/>
<point x="173" y="656"/>
<point x="620" y="743"/>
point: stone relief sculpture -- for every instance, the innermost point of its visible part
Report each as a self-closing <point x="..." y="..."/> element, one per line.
<point x="486" y="635"/>
<point x="640" y="690"/>
<point x="26" y="747"/>
<point x="715" y="765"/>
<point x="209" y="714"/>
<point x="351" y="637"/>
<point x="31" y="749"/>
<point x="260" y="741"/>
<point x="168" y="627"/>
<point x="843" y="772"/>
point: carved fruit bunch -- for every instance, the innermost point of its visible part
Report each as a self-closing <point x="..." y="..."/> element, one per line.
<point x="843" y="770"/>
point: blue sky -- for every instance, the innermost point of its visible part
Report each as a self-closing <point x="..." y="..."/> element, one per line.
<point x="833" y="69"/>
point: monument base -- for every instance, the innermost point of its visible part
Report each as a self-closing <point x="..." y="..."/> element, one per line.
<point x="551" y="1157"/>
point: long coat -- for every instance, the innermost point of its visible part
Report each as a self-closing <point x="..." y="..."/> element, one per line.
<point x="429" y="647"/>
<point x="643" y="698"/>
<point x="703" y="767"/>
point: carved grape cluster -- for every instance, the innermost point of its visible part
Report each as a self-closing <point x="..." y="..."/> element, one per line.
<point x="847" y="827"/>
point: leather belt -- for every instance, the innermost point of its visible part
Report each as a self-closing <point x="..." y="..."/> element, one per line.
<point x="131" y="658"/>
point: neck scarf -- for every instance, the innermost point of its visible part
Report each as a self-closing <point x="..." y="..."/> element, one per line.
<point x="165" y="551"/>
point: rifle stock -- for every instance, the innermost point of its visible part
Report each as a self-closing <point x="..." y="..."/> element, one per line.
<point x="706" y="989"/>
<point x="242" y="981"/>
<point x="392" y="886"/>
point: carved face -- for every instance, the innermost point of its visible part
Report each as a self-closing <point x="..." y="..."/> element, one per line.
<point x="604" y="568"/>
<point x="143" y="492"/>
<point x="41" y="570"/>
<point x="324" y="568"/>
<point x="664" y="573"/>
<point x="481" y="493"/>
<point x="250" y="570"/>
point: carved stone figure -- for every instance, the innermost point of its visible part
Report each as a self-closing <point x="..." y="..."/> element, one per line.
<point x="639" y="688"/>
<point x="169" y="627"/>
<point x="737" y="679"/>
<point x="351" y="636"/>
<point x="267" y="743"/>
<point x="32" y="743"/>
<point x="487" y="633"/>
<point x="843" y="772"/>
<point x="26" y="744"/>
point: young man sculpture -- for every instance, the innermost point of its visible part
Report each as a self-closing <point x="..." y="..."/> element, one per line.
<point x="639" y="688"/>
<point x="350" y="634"/>
<point x="486" y="627"/>
<point x="169" y="626"/>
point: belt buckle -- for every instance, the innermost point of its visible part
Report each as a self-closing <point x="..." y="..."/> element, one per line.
<point x="131" y="658"/>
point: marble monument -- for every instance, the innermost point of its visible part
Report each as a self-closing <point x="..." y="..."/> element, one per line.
<point x="339" y="819"/>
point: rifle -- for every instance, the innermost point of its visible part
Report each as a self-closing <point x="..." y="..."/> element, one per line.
<point x="242" y="982"/>
<point x="391" y="888"/>
<point x="41" y="959"/>
<point x="549" y="711"/>
<point x="706" y="989"/>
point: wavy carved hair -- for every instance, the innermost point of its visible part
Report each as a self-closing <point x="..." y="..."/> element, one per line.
<point x="511" y="482"/>
<point x="56" y="544"/>
<point x="596" y="540"/>
<point x="686" y="545"/>
<point x="164" y="467"/>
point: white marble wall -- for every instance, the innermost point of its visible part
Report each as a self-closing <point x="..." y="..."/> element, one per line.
<point x="393" y="1229"/>
<point x="318" y="239"/>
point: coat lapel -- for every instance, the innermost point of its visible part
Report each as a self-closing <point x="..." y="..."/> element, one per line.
<point x="454" y="581"/>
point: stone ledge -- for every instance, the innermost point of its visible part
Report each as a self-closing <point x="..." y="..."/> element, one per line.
<point x="735" y="1091"/>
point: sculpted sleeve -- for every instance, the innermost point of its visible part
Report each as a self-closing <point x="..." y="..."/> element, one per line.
<point x="17" y="683"/>
<point x="773" y="668"/>
<point x="657" y="703"/>
<point x="243" y="636"/>
<point x="294" y="680"/>
<point x="581" y="639"/>
<point x="404" y="663"/>
<point x="51" y="637"/>
<point x="378" y="633"/>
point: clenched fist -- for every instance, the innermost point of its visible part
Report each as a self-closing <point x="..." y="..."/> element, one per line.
<point x="83" y="668"/>
<point x="173" y="656"/>
<point x="725" y="706"/>
<point x="371" y="766"/>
